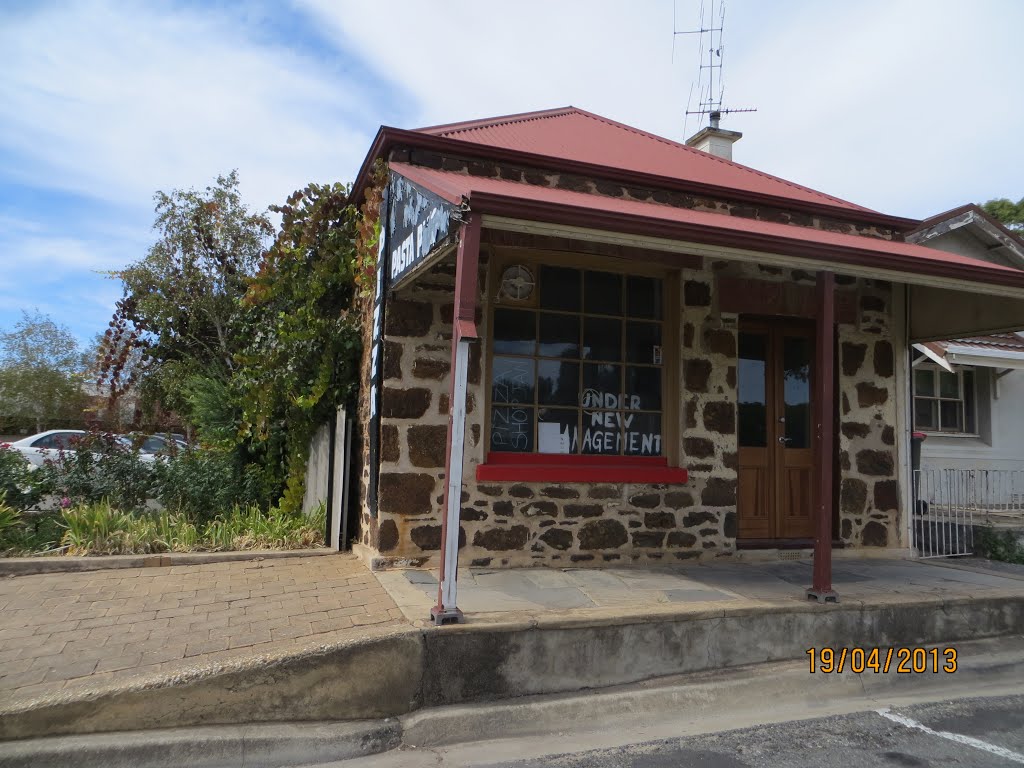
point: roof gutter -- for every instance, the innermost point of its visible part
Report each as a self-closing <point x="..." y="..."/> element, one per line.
<point x="728" y="243"/>
<point x="388" y="138"/>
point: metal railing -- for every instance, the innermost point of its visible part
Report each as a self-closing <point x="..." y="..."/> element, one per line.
<point x="944" y="504"/>
<point x="949" y="502"/>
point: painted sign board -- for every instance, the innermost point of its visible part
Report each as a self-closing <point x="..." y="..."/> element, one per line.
<point x="419" y="222"/>
<point x="415" y="227"/>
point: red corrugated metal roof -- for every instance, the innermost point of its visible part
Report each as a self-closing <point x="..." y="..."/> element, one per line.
<point x="1005" y="342"/>
<point x="573" y="134"/>
<point x="705" y="227"/>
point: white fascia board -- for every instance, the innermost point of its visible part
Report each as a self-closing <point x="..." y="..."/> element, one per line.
<point x="987" y="360"/>
<point x="933" y="356"/>
<point x="742" y="254"/>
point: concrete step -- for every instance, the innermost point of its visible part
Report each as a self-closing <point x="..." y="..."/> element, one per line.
<point x="399" y="672"/>
<point x="704" y="702"/>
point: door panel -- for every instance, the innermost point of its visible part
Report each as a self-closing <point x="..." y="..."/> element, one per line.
<point x="776" y="453"/>
<point x="754" y="497"/>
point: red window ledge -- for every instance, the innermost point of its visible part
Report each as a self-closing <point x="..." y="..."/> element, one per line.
<point x="558" y="468"/>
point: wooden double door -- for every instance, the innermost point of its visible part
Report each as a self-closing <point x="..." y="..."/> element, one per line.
<point x="775" y="379"/>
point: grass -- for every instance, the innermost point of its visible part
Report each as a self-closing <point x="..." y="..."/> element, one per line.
<point x="1003" y="546"/>
<point x="102" y="529"/>
<point x="27" y="534"/>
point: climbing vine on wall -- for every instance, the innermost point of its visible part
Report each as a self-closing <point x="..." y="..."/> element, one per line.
<point x="368" y="230"/>
<point x="300" y="358"/>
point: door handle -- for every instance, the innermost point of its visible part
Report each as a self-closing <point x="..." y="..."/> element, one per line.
<point x="785" y="439"/>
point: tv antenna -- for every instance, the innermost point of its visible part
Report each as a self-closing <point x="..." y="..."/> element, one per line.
<point x="711" y="54"/>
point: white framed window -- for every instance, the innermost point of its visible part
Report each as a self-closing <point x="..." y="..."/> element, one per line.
<point x="945" y="402"/>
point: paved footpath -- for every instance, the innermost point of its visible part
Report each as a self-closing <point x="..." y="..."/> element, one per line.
<point x="61" y="630"/>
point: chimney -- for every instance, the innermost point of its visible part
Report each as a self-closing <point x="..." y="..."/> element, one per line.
<point x="714" y="140"/>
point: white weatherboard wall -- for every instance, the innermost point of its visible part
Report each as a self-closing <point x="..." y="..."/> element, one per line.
<point x="317" y="469"/>
<point x="1001" y="443"/>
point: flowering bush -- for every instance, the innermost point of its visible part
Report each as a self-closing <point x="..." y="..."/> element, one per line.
<point x="20" y="485"/>
<point x="201" y="483"/>
<point x="99" y="466"/>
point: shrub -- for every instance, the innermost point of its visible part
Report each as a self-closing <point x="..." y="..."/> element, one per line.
<point x="251" y="527"/>
<point x="22" y="485"/>
<point x="1003" y="545"/>
<point x="199" y="482"/>
<point x="9" y="516"/>
<point x="101" y="529"/>
<point x="33" y="534"/>
<point x="98" y="467"/>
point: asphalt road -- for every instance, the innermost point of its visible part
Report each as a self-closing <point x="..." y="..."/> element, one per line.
<point x="993" y="727"/>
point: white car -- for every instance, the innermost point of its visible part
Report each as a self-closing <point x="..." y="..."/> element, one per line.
<point x="46" y="446"/>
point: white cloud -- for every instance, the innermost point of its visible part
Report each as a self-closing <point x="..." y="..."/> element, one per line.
<point x="114" y="101"/>
<point x="910" y="106"/>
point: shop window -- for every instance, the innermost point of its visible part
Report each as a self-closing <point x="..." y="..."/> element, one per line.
<point x="945" y="402"/>
<point x="577" y="363"/>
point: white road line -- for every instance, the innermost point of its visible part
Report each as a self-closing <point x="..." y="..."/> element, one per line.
<point x="958" y="738"/>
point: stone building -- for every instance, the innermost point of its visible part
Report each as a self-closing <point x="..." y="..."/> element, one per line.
<point x="594" y="345"/>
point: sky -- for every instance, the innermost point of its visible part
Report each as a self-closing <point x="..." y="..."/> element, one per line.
<point x="911" y="107"/>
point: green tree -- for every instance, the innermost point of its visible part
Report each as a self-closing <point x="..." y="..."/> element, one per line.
<point x="176" y="329"/>
<point x="1011" y="214"/>
<point x="302" y="332"/>
<point x="41" y="373"/>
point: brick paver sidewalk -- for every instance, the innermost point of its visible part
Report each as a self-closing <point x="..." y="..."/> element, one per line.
<point x="61" y="629"/>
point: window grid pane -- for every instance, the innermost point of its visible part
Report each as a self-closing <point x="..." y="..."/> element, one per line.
<point x="536" y="369"/>
<point x="949" y="405"/>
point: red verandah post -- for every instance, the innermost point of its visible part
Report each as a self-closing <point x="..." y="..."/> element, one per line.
<point x="824" y="419"/>
<point x="463" y="331"/>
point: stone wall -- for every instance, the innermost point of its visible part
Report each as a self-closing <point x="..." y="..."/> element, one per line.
<point x="540" y="523"/>
<point x="525" y="523"/>
<point x="608" y="188"/>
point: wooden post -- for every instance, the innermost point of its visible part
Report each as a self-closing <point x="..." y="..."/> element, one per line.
<point x="824" y="419"/>
<point x="463" y="331"/>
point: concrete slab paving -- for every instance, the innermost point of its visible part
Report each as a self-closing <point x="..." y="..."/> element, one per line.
<point x="492" y="595"/>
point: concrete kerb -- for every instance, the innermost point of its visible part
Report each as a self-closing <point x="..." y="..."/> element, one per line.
<point x="254" y="746"/>
<point x="396" y="672"/>
<point x="27" y="566"/>
<point x="717" y="697"/>
<point x="479" y="663"/>
<point x="374" y="676"/>
<point x="693" y="703"/>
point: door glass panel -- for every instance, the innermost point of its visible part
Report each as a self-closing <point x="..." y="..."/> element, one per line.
<point x="753" y="401"/>
<point x="796" y="384"/>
